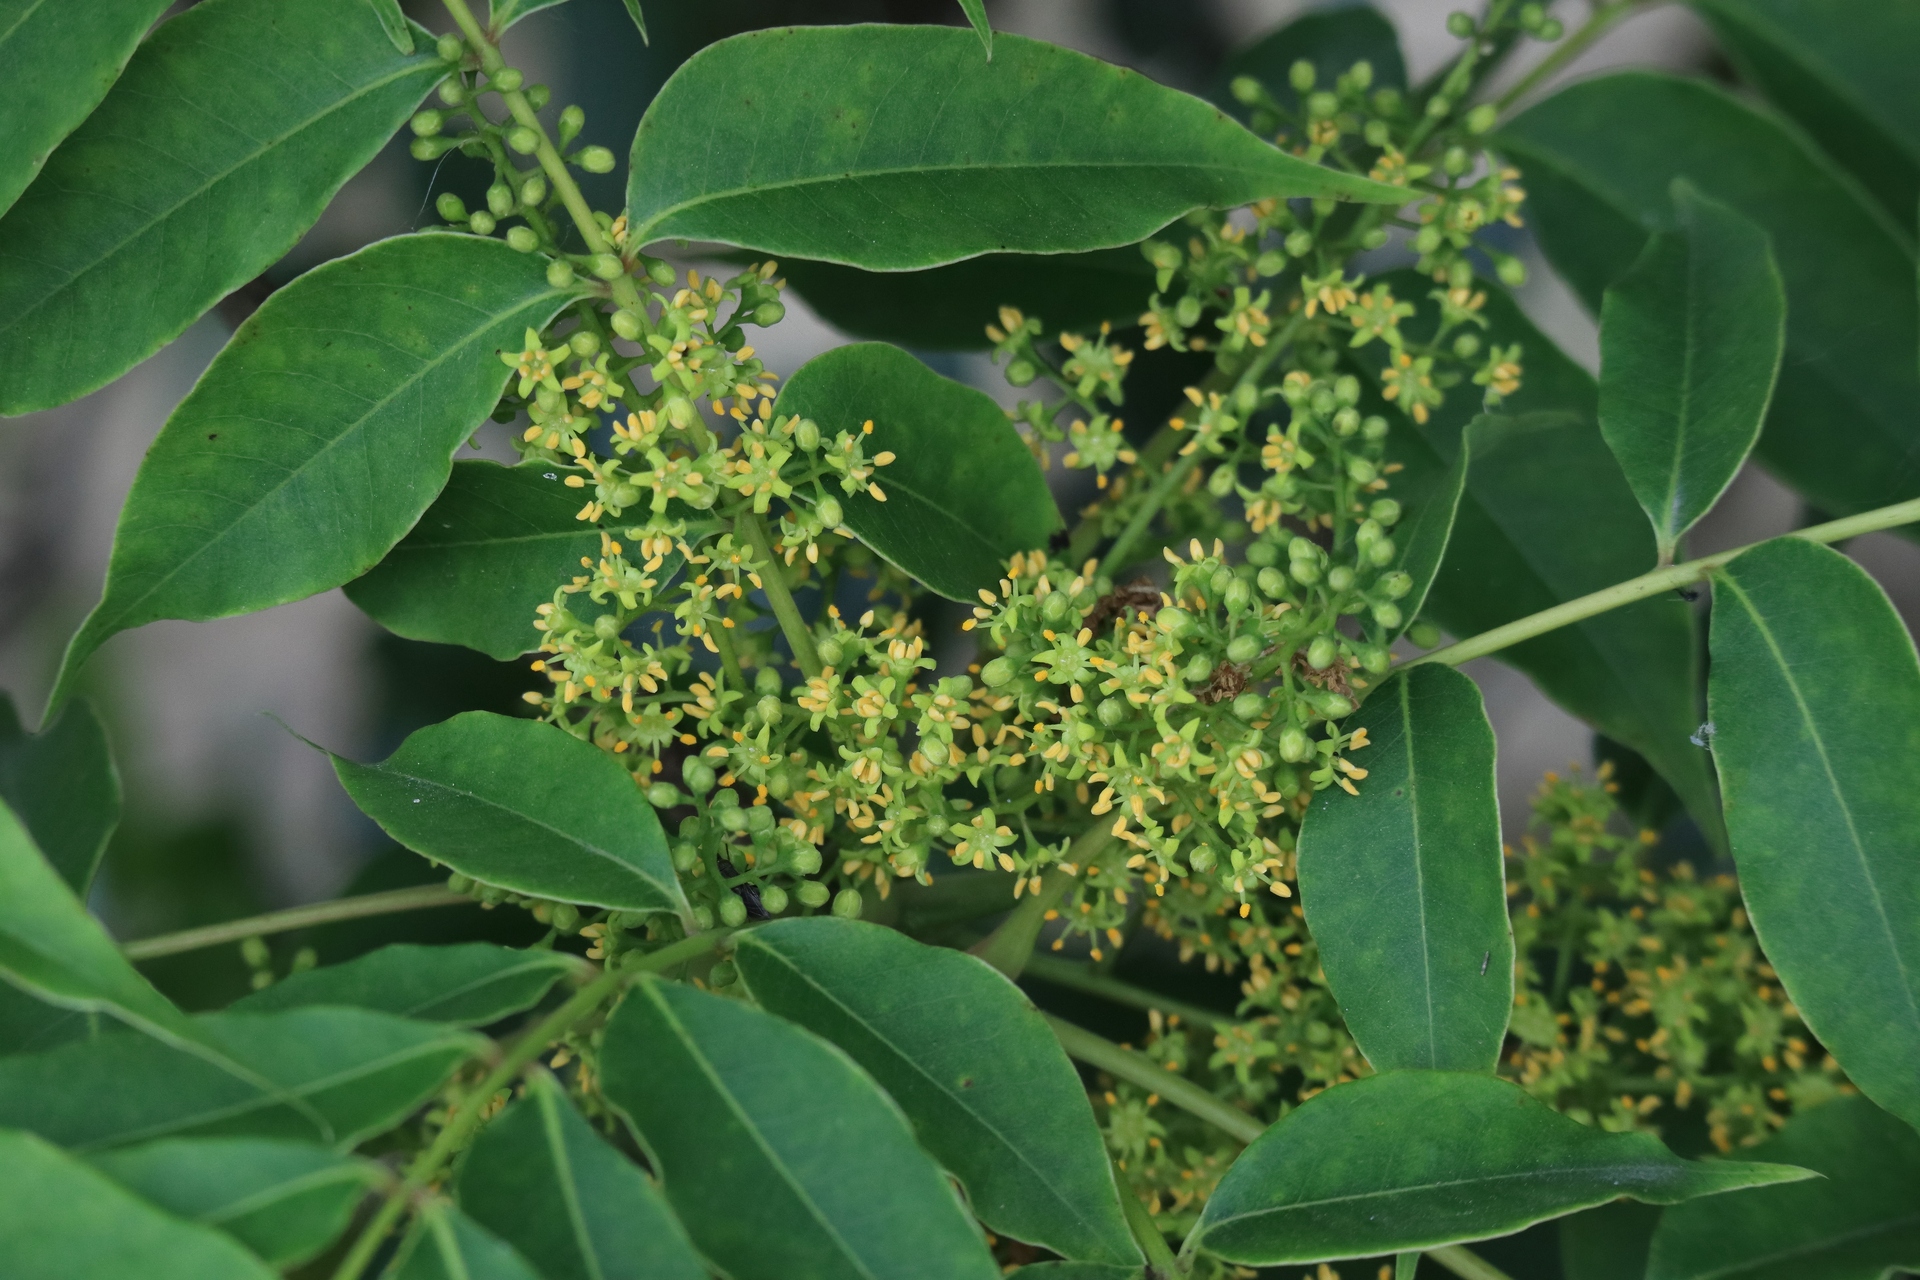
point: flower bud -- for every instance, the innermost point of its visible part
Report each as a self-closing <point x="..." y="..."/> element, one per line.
<point x="759" y="819"/>
<point x="1321" y="653"/>
<point x="1301" y="75"/>
<point x="1339" y="578"/>
<point x="831" y="653"/>
<point x="459" y="883"/>
<point x="1385" y="510"/>
<point x="1427" y="239"/>
<point x="1512" y="271"/>
<point x="773" y="898"/>
<point x="1111" y="712"/>
<point x="608" y="266"/>
<point x="1333" y="705"/>
<point x="1294" y="745"/>
<point x="1387" y="614"/>
<point x="1246" y="90"/>
<point x="1272" y="583"/>
<point x="426" y="124"/>
<point x="846" y="904"/>
<point x="572" y="121"/>
<point x="565" y="917"/>
<point x="1220" y="483"/>
<point x="506" y="79"/>
<point x="1238" y="595"/>
<point x="595" y="159"/>
<point x="1439" y="106"/>
<point x="733" y="819"/>
<point x="1376" y="237"/>
<point x="524" y="140"/>
<point x="1262" y="553"/>
<point x="451" y="207"/>
<point x="1270" y="263"/>
<point x="733" y="914"/>
<point x="1186" y="312"/>
<point x="811" y="894"/>
<point x="698" y="776"/>
<point x="1375" y="658"/>
<point x="1482" y="118"/>
<point x="1396" y="585"/>
<point x="1466" y="346"/>
<point x="1374" y="429"/>
<point x="663" y="795"/>
<point x="806" y="434"/>
<point x="1248" y="706"/>
<point x="560" y="274"/>
<point x="430" y="148"/>
<point x="538" y="96"/>
<point x="1380" y="554"/>
<point x="1305" y="572"/>
<point x="500" y="199"/>
<point x="451" y="48"/>
<point x="522" y="239"/>
<point x="1552" y="29"/>
<point x="998" y="672"/>
<point x="1361" y="471"/>
<point x="768" y="314"/>
<point x="1300" y="243"/>
<point x="1244" y="649"/>
<point x="769" y="708"/>
<point x="627" y="325"/>
<point x="1175" y="621"/>
<point x="1459" y="25"/>
<point x="481" y="222"/>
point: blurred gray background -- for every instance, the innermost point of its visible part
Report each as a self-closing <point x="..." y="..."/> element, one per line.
<point x="228" y="812"/>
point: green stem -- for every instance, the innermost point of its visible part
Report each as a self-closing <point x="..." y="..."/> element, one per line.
<point x="624" y="291"/>
<point x="729" y="663"/>
<point x="466" y="1118"/>
<point x="1080" y="977"/>
<point x="1465" y="1263"/>
<point x="355" y="908"/>
<point x="1135" y="1068"/>
<point x="1601" y="21"/>
<point x="780" y="596"/>
<point x="1009" y="947"/>
<point x="1117" y="555"/>
<point x="1648" y="585"/>
<point x="1161" y="1264"/>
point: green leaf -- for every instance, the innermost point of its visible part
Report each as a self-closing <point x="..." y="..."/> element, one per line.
<point x="53" y="950"/>
<point x="639" y="19"/>
<point x="334" y="1076"/>
<point x="286" y="1201"/>
<point x="467" y="984"/>
<point x="1418" y="1159"/>
<point x="486" y="554"/>
<point x="321" y="433"/>
<point x="1599" y="158"/>
<point x="969" y="1059"/>
<point x="892" y="147"/>
<point x="60" y="1220"/>
<point x="1690" y="343"/>
<point x="949" y="308"/>
<point x="963" y="491"/>
<point x="738" y="1108"/>
<point x="1842" y="71"/>
<point x="394" y="23"/>
<point x="1074" y="1271"/>
<point x="976" y="11"/>
<point x="522" y="805"/>
<point x="230" y="131"/>
<point x="542" y="1180"/>
<point x="63" y="787"/>
<point x="1609" y="1242"/>
<point x="445" y="1244"/>
<point x="58" y="61"/>
<point x="1859" y="1222"/>
<point x="1430" y="492"/>
<point x="1814" y="697"/>
<point x="1404" y="884"/>
<point x="1332" y="39"/>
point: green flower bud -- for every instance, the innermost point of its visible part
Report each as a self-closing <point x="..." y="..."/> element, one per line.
<point x="663" y="795"/>
<point x="703" y="916"/>
<point x="1466" y="346"/>
<point x="1531" y="16"/>
<point x="627" y="325"/>
<point x="1246" y="90"/>
<point x="1295" y="745"/>
<point x="1021" y="373"/>
<point x="1305" y="572"/>
<point x="1374" y="429"/>
<point x="1111" y="712"/>
<point x="733" y="914"/>
<point x="572" y="121"/>
<point x="1339" y="578"/>
<point x="1396" y="585"/>
<point x="831" y="653"/>
<point x="1248" y="706"/>
<point x="565" y="917"/>
<point x="560" y="275"/>
<point x="1361" y="471"/>
<point x="759" y="819"/>
<point x="1300" y="243"/>
<point x="522" y="239"/>
<point x="846" y="904"/>
<point x="1186" y="312"/>
<point x="1323" y="206"/>
<point x="806" y="434"/>
<point x="769" y="708"/>
<point x="698" y="776"/>
<point x="538" y="96"/>
<point x="1055" y="607"/>
<point x="595" y="159"/>
<point x="1375" y="658"/>
<point x="1262" y="553"/>
<point x="1346" y="422"/>
<point x="1459" y="25"/>
<point x="1439" y="106"/>
<point x="1380" y="554"/>
<point x="811" y="894"/>
<point x="1303" y="548"/>
<point x="733" y="819"/>
<point x="523" y="139"/>
<point x="584" y="342"/>
<point x="1482" y="118"/>
<point x="459" y="883"/>
<point x="768" y="314"/>
<point x="1552" y="30"/>
<point x="1512" y="271"/>
<point x="766" y="681"/>
<point x="451" y="48"/>
<point x="1201" y="859"/>
<point x="1176" y="622"/>
<point x="500" y="199"/>
<point x="1322" y="105"/>
<point x="1376" y="237"/>
<point x="1244" y="649"/>
<point x="660" y="271"/>
<point x="1385" y="510"/>
<point x="998" y="672"/>
<point x="506" y="79"/>
<point x="1387" y="614"/>
<point x="1272" y="583"/>
<point x="608" y="266"/>
<point x="1270" y="263"/>
<point x="1082" y="732"/>
<point x="430" y="148"/>
<point x="804" y="861"/>
<point x="773" y="898"/>
<point x="1199" y="669"/>
<point x="1220" y="483"/>
<point x="1238" y="595"/>
<point x="451" y="207"/>
<point x="1161" y="254"/>
<point x="1322" y="652"/>
<point x="1456" y="161"/>
<point x="1377" y="133"/>
<point x="481" y="222"/>
<point x="1333" y="706"/>
<point x="426" y="124"/>
<point x="1301" y="75"/>
<point x="1427" y="239"/>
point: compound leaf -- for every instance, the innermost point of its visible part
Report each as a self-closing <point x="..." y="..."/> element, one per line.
<point x="466" y="984"/>
<point x="1860" y="1221"/>
<point x="1418" y="1159"/>
<point x="542" y="1180"/>
<point x="1404" y="884"/>
<point x="63" y="787"/>
<point x="1814" y="698"/>
<point x="892" y="147"/>
<point x="963" y="492"/>
<point x="286" y="1201"/>
<point x="1690" y="343"/>
<point x="524" y="806"/>
<point x="737" y="1107"/>
<point x="320" y="434"/>
<point x="969" y="1059"/>
<point x="229" y="132"/>
<point x="61" y="1220"/>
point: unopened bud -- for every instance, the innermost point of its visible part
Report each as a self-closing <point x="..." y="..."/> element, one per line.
<point x="1246" y="90"/>
<point x="773" y="898"/>
<point x="481" y="222"/>
<point x="829" y="510"/>
<point x="663" y="795"/>
<point x="524" y="140"/>
<point x="1387" y="614"/>
<point x="1272" y="583"/>
<point x="451" y="207"/>
<point x="733" y="914"/>
<point x="1301" y="75"/>
<point x="1248" y="706"/>
<point x="1424" y="633"/>
<point x="769" y="313"/>
<point x="1244" y="649"/>
<point x="538" y="96"/>
<point x="1294" y="745"/>
<point x="595" y="159"/>
<point x="506" y="79"/>
<point x="523" y="239"/>
<point x="1021" y="373"/>
<point x="560" y="274"/>
<point x="1459" y="25"/>
<point x="500" y="199"/>
<point x="998" y="672"/>
<point x="846" y="904"/>
<point x="698" y="775"/>
<point x="608" y="266"/>
<point x="451" y="48"/>
<point x="1482" y="118"/>
<point x="812" y="894"/>
<point x="627" y="325"/>
<point x="426" y="124"/>
<point x="1300" y="243"/>
<point x="1321" y="653"/>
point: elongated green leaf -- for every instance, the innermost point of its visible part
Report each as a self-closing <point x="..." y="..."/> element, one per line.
<point x="52" y="949"/>
<point x="1416" y="1159"/>
<point x="893" y="147"/>
<point x="1332" y="39"/>
<point x="1843" y="72"/>
<point x="976" y="11"/>
<point x="969" y="1059"/>
<point x="522" y="805"/>
<point x="1598" y="159"/>
<point x="963" y="492"/>
<point x="1404" y="886"/>
<point x="1074" y="1271"/>
<point x="639" y="19"/>
<point x="738" y="1108"/>
<point x="445" y="1244"/>
<point x="1814" y="696"/>
<point x="542" y="1180"/>
<point x="59" y="61"/>
<point x="286" y="1201"/>
<point x="320" y="434"/>
<point x="468" y="984"/>
<point x="63" y="787"/>
<point x="394" y="23"/>
<point x="333" y="1076"/>
<point x="1609" y="1242"/>
<point x="231" y="129"/>
<point x="949" y="308"/>
<point x="486" y="554"/>
<point x="1690" y="343"/>
<point x="60" y="1220"/>
<point x="1860" y="1221"/>
<point x="1430" y="493"/>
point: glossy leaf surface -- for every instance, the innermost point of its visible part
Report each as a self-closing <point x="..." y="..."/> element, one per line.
<point x="1404" y="884"/>
<point x="963" y="492"/>
<point x="1690" y="343"/>
<point x="893" y="147"/>
<point x="1332" y="39"/>
<point x="1415" y="1159"/>
<point x="738" y="1107"/>
<point x="1430" y="493"/>
<point x="1599" y="158"/>
<point x="445" y="1244"/>
<point x="62" y="785"/>
<point x="1814" y="698"/>
<point x="62" y="1220"/>
<point x="286" y="1201"/>
<point x="1858" y="1222"/>
<point x="1609" y="1241"/>
<point x="486" y="554"/>
<point x="333" y="1076"/>
<point x="542" y="1180"/>
<point x="227" y="135"/>
<point x="467" y="984"/>
<point x="60" y="60"/>
<point x="320" y="434"/>
<point x="524" y="806"/>
<point x="969" y="1059"/>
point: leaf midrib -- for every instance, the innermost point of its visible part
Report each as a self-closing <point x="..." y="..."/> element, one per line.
<point x="562" y="1160"/>
<point x="312" y="1179"/>
<point x="1596" y="1172"/>
<point x="1419" y="870"/>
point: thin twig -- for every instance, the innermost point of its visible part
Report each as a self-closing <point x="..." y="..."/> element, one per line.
<point x="356" y="908"/>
